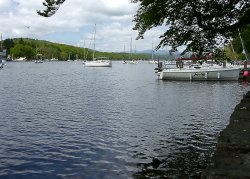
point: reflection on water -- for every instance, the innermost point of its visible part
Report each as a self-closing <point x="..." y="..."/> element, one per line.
<point x="59" y="119"/>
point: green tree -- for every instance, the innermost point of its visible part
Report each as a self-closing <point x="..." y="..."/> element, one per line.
<point x="21" y="50"/>
<point x="198" y="24"/>
<point x="8" y="44"/>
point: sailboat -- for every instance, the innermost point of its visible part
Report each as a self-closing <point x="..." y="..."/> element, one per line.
<point x="152" y="61"/>
<point x="132" y="61"/>
<point x="100" y="61"/>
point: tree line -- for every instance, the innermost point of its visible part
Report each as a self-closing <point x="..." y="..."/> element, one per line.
<point x="40" y="49"/>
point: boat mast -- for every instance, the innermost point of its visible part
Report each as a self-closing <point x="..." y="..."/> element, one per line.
<point x="94" y="42"/>
<point x="243" y="46"/>
<point x="152" y="55"/>
<point x="233" y="50"/>
<point x="1" y="47"/>
<point x="124" y="51"/>
<point x="84" y="56"/>
<point x="130" y="49"/>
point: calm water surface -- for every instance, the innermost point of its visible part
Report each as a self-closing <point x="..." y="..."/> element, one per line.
<point x="64" y="120"/>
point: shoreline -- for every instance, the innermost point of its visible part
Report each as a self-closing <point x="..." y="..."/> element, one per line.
<point x="232" y="155"/>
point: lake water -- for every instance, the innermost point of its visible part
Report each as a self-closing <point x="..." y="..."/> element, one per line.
<point x="64" y="120"/>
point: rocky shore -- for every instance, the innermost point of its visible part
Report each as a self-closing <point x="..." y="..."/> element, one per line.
<point x="232" y="156"/>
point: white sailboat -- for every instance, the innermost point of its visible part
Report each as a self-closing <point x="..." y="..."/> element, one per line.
<point x="153" y="61"/>
<point x="202" y="74"/>
<point x="100" y="61"/>
<point x="199" y="73"/>
<point x="132" y="61"/>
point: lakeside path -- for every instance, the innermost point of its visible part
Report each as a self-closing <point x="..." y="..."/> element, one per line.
<point x="232" y="156"/>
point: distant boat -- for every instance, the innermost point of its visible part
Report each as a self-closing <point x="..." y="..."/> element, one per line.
<point x="1" y="63"/>
<point x="20" y="59"/>
<point x="2" y="53"/>
<point x="100" y="61"/>
<point x="153" y="61"/>
<point x="2" y="56"/>
<point x="53" y="59"/>
<point x="134" y="62"/>
<point x="38" y="61"/>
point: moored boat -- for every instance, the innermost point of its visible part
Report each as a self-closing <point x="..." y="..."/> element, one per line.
<point x="133" y="62"/>
<point x="193" y="72"/>
<point x="153" y="61"/>
<point x="202" y="74"/>
<point x="1" y="63"/>
<point x="20" y="59"/>
<point x="99" y="62"/>
<point x="2" y="53"/>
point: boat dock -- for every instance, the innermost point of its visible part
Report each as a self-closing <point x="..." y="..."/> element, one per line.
<point x="232" y="156"/>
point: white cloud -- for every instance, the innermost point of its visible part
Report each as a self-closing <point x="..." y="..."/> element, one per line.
<point x="5" y="4"/>
<point x="74" y="23"/>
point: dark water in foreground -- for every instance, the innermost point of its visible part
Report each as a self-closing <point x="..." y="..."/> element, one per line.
<point x="62" y="120"/>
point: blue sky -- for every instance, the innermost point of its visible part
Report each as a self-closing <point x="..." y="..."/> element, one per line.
<point x="74" y="24"/>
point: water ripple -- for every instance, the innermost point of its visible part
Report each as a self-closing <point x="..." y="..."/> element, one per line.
<point x="61" y="120"/>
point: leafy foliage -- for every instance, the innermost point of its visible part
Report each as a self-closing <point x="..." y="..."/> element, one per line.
<point x="201" y="25"/>
<point x="21" y="50"/>
<point x="51" y="7"/>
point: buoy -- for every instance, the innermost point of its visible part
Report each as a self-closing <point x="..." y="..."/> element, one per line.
<point x="245" y="73"/>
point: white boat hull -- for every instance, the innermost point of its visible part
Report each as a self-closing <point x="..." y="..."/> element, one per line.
<point x="98" y="63"/>
<point x="153" y="62"/>
<point x="206" y="74"/>
<point x="133" y="62"/>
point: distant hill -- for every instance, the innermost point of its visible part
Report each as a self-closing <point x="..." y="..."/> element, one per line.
<point x="33" y="49"/>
